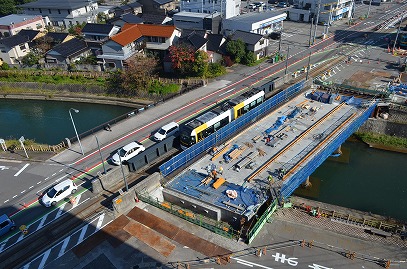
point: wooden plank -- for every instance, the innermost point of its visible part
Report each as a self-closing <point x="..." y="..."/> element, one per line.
<point x="220" y="152"/>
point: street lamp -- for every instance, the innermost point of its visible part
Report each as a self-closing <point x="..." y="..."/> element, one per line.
<point x="74" y="127"/>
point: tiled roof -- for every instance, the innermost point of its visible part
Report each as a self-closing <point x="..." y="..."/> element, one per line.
<point x="70" y="48"/>
<point x="196" y="40"/>
<point x="57" y="4"/>
<point x="214" y="42"/>
<point x="247" y="37"/>
<point x="97" y="28"/>
<point x="13" y="41"/>
<point x="153" y="18"/>
<point x="57" y="37"/>
<point x="30" y="34"/>
<point x="132" y="32"/>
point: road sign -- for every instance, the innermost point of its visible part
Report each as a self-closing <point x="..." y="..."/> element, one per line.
<point x="21" y="139"/>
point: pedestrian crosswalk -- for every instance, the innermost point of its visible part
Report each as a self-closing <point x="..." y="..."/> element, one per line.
<point x="40" y="223"/>
<point x="66" y="244"/>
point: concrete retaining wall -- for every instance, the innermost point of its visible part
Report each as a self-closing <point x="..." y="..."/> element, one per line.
<point x="111" y="179"/>
<point x="386" y="127"/>
<point x="194" y="205"/>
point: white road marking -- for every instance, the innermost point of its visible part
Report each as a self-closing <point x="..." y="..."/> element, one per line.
<point x="82" y="235"/>
<point x="100" y="221"/>
<point x="42" y="222"/>
<point x="226" y="92"/>
<point x="78" y="197"/>
<point x="64" y="245"/>
<point x="39" y="182"/>
<point x="31" y="187"/>
<point x="26" y="266"/>
<point x="23" y="191"/>
<point x="60" y="211"/>
<point x="44" y="258"/>
<point x="22" y="169"/>
<point x="14" y="196"/>
<point x="247" y="264"/>
<point x="53" y="174"/>
<point x="6" y="201"/>
<point x="61" y="170"/>
<point x="2" y="245"/>
<point x="3" y="167"/>
<point x="252" y="263"/>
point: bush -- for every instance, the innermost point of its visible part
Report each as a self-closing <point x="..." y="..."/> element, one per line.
<point x="382" y="139"/>
<point x="159" y="88"/>
<point x="215" y="70"/>
<point x="5" y="66"/>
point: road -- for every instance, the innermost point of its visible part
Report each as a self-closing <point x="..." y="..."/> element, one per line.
<point x="24" y="181"/>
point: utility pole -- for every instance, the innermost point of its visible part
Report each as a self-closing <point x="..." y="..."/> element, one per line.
<point x="308" y="65"/>
<point x="397" y="35"/>
<point x="310" y="32"/>
<point x="286" y="60"/>
<point x="368" y="10"/>
<point x="316" y="22"/>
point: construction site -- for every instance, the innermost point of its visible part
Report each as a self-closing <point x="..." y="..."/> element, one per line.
<point x="251" y="173"/>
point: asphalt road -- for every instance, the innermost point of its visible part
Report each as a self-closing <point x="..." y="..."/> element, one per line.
<point x="24" y="181"/>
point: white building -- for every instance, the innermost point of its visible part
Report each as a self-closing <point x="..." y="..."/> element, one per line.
<point x="12" y="24"/>
<point x="64" y="13"/>
<point x="255" y="22"/>
<point x="228" y="8"/>
<point x="329" y="10"/>
<point x="197" y="21"/>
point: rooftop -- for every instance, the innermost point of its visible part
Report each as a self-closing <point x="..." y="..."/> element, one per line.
<point x="17" y="18"/>
<point x="66" y="4"/>
<point x="254" y="17"/>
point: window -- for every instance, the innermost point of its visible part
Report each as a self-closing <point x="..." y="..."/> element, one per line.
<point x="4" y="224"/>
<point x="59" y="11"/>
<point x="49" y="11"/>
<point x="40" y="10"/>
<point x="111" y="65"/>
<point x="22" y="47"/>
<point x="38" y="25"/>
<point x="261" y="42"/>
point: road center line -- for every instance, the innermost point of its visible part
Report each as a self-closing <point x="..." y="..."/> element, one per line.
<point x="21" y="170"/>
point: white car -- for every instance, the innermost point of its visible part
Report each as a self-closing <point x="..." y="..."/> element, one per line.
<point x="58" y="193"/>
<point x="127" y="152"/>
<point x="165" y="131"/>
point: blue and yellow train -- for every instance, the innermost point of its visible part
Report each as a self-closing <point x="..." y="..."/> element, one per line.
<point x="204" y="125"/>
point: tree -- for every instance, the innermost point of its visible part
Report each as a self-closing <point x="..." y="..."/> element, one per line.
<point x="76" y="30"/>
<point x="43" y="44"/>
<point x="236" y="49"/>
<point x="30" y="59"/>
<point x="136" y="79"/>
<point x="200" y="65"/>
<point x="248" y="58"/>
<point x="7" y="7"/>
<point x="182" y="56"/>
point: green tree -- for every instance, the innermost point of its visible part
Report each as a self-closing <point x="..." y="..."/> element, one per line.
<point x="200" y="65"/>
<point x="30" y="59"/>
<point x="7" y="7"/>
<point x="215" y="70"/>
<point x="248" y="58"/>
<point x="236" y="49"/>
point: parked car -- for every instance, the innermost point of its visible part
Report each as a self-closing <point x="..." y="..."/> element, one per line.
<point x="58" y="193"/>
<point x="165" y="131"/>
<point x="275" y="35"/>
<point x="6" y="224"/>
<point x="127" y="152"/>
<point x="282" y="4"/>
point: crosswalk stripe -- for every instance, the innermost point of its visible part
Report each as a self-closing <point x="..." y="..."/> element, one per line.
<point x="82" y="235"/>
<point x="100" y="221"/>
<point x="64" y="245"/>
<point x="26" y="266"/>
<point x="44" y="258"/>
<point x="42" y="222"/>
<point x="2" y="246"/>
<point x="60" y="211"/>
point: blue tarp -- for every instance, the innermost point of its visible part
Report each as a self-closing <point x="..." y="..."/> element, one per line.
<point x="280" y="121"/>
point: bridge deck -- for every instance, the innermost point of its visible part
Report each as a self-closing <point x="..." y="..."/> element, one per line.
<point x="251" y="158"/>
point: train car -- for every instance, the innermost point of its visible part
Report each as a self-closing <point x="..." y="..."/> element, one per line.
<point x="197" y="129"/>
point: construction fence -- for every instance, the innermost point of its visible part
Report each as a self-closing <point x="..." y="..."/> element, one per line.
<point x="301" y="175"/>
<point x="229" y="130"/>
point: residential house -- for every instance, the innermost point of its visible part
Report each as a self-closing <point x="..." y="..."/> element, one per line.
<point x="150" y="18"/>
<point x="31" y="34"/>
<point x="96" y="34"/>
<point x="262" y="23"/>
<point x="131" y="8"/>
<point x="158" y="6"/>
<point x="14" y="23"/>
<point x="215" y="47"/>
<point x="255" y="43"/>
<point x="125" y="18"/>
<point x="13" y="49"/>
<point x="195" y="40"/>
<point x="63" y="13"/>
<point x="227" y="8"/>
<point x="135" y="38"/>
<point x="68" y="52"/>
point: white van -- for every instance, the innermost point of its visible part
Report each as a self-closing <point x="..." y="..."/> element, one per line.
<point x="165" y="131"/>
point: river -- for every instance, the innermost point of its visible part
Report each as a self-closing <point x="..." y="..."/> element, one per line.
<point x="48" y="122"/>
<point x="373" y="181"/>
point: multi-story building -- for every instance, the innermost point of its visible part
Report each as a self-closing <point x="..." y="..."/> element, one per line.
<point x="63" y="13"/>
<point x="227" y="8"/>
<point x="12" y="24"/>
<point x="327" y="11"/>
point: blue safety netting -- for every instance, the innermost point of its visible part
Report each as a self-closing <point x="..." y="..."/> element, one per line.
<point x="229" y="130"/>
